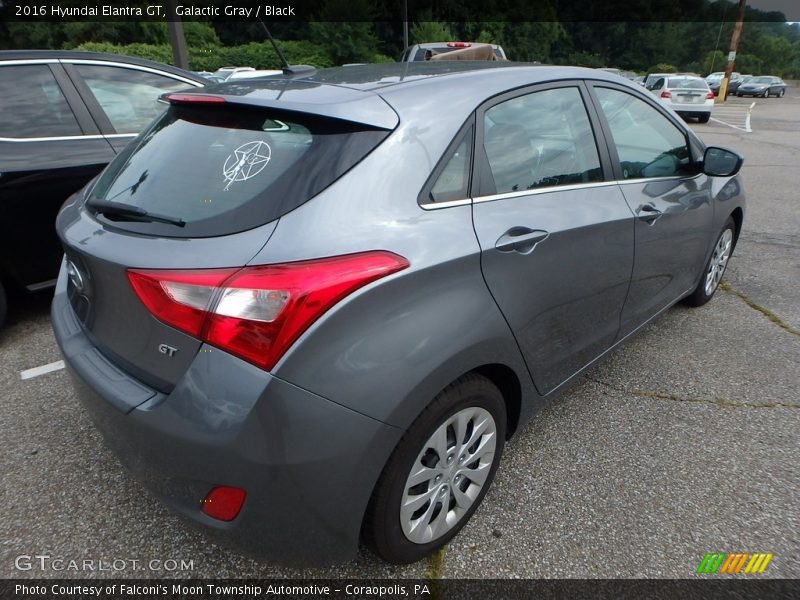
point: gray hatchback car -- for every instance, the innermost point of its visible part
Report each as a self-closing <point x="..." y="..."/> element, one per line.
<point x="310" y="310"/>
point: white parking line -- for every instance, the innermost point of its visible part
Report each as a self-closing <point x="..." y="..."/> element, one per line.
<point x="36" y="371"/>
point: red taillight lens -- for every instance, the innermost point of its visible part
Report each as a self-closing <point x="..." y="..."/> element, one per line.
<point x="224" y="502"/>
<point x="178" y="98"/>
<point x="710" y="95"/>
<point x="458" y="44"/>
<point x="256" y="313"/>
<point x="666" y="94"/>
<point x="179" y="298"/>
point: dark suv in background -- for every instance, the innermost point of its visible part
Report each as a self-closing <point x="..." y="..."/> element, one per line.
<point x="64" y="116"/>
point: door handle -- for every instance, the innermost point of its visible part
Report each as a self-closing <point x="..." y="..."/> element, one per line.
<point x="520" y="239"/>
<point x="648" y="213"/>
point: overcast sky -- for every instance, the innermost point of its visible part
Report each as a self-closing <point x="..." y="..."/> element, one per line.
<point x="790" y="8"/>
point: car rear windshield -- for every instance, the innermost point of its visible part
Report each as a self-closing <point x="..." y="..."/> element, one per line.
<point x="687" y="83"/>
<point x="228" y="168"/>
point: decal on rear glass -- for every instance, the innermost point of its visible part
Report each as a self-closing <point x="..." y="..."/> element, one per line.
<point x="247" y="161"/>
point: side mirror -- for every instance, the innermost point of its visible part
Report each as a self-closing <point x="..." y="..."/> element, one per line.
<point x="719" y="162"/>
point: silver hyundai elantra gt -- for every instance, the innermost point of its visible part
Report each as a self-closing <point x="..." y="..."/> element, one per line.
<point x="310" y="310"/>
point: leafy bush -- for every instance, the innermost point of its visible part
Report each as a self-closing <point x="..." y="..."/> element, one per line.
<point x="663" y="68"/>
<point x="211" y="57"/>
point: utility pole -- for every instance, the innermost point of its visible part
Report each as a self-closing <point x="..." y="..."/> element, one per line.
<point x="176" y="38"/>
<point x="405" y="25"/>
<point x="737" y="32"/>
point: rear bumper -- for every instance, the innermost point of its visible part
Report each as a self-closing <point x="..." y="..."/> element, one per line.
<point x="688" y="109"/>
<point x="308" y="465"/>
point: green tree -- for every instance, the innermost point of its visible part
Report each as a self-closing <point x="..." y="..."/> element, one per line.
<point x="776" y="54"/>
<point x="663" y="68"/>
<point x="429" y="31"/>
<point x="749" y="63"/>
<point x="714" y="61"/>
<point x="346" y="41"/>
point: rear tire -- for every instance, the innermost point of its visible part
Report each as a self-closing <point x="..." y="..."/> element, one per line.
<point x="440" y="470"/>
<point x="704" y="118"/>
<point x="765" y="94"/>
<point x="715" y="267"/>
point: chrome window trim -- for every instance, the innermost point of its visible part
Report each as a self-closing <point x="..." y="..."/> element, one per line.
<point x="58" y="138"/>
<point x="120" y="65"/>
<point x="544" y="190"/>
<point x="654" y="179"/>
<point x="29" y="61"/>
<point x="448" y="204"/>
<point x="64" y="138"/>
<point x="555" y="188"/>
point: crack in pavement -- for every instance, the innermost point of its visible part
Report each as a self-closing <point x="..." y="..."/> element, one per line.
<point x="716" y="401"/>
<point x="727" y="287"/>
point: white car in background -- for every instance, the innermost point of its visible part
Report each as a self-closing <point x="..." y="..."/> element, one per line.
<point x="253" y="73"/>
<point x="687" y="95"/>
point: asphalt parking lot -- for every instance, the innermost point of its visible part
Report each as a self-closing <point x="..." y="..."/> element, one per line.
<point x="683" y="442"/>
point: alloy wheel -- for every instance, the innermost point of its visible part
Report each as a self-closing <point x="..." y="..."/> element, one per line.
<point x="719" y="260"/>
<point x="448" y="475"/>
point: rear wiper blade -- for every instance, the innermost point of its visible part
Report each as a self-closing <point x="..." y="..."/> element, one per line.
<point x="132" y="213"/>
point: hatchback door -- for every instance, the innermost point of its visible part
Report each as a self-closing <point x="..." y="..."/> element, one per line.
<point x="657" y="166"/>
<point x="182" y="209"/>
<point x="556" y="236"/>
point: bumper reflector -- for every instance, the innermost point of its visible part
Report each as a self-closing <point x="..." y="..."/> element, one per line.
<point x="224" y="502"/>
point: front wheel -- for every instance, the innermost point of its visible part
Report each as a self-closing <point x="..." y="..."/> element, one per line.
<point x="781" y="93"/>
<point x="439" y="472"/>
<point x="715" y="268"/>
<point x="765" y="94"/>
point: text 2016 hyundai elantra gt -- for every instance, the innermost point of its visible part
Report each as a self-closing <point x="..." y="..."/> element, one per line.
<point x="311" y="310"/>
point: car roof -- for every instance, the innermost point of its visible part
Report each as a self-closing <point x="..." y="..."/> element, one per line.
<point x="379" y="94"/>
<point x="496" y="76"/>
<point x="8" y="55"/>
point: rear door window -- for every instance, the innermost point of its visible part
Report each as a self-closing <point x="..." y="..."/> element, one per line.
<point x="543" y="139"/>
<point x="224" y="169"/>
<point x="33" y="105"/>
<point x="129" y="97"/>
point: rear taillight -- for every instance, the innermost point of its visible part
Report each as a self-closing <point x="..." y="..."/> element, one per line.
<point x="458" y="44"/>
<point x="666" y="94"/>
<point x="179" y="98"/>
<point x="256" y="313"/>
<point x="710" y="95"/>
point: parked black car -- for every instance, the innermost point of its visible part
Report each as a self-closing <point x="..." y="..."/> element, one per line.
<point x="64" y="116"/>
<point x="715" y="81"/>
<point x="763" y="86"/>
